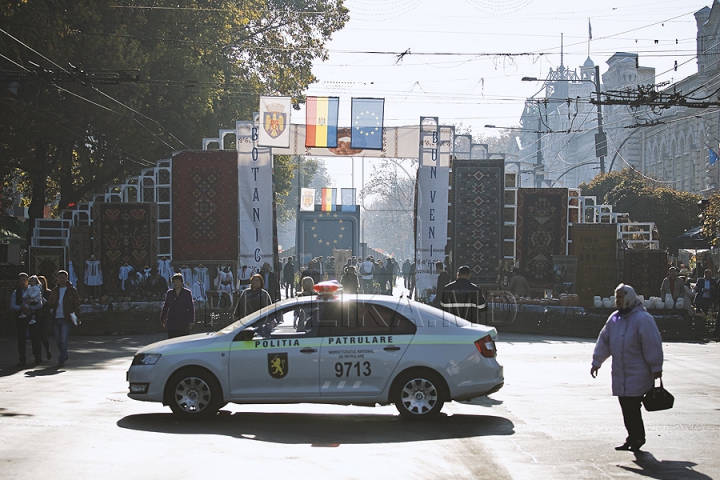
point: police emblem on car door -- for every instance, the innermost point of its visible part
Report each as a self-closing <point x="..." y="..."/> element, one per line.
<point x="277" y="364"/>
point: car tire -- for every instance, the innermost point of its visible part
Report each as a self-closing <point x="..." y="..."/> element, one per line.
<point x="194" y="393"/>
<point x="419" y="394"/>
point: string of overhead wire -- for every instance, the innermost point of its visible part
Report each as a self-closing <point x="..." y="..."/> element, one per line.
<point x="80" y="132"/>
<point x="73" y="75"/>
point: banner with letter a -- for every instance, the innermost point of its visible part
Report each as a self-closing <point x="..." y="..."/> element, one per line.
<point x="431" y="208"/>
<point x="255" y="190"/>
<point x="274" y="128"/>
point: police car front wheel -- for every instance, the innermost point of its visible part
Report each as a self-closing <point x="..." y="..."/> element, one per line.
<point x="419" y="395"/>
<point x="193" y="393"/>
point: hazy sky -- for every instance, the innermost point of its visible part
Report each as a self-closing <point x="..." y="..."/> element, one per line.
<point x="466" y="57"/>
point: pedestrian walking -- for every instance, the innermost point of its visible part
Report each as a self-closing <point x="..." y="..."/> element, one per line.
<point x="289" y="276"/>
<point x="64" y="312"/>
<point x="463" y="298"/>
<point x="253" y="299"/>
<point x="367" y="268"/>
<point x="21" y="311"/>
<point x="631" y="337"/>
<point x="350" y="281"/>
<point x="43" y="321"/>
<point x="406" y="273"/>
<point x="178" y="312"/>
<point x="442" y="280"/>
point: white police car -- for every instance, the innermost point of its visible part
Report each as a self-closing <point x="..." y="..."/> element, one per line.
<point x="352" y="349"/>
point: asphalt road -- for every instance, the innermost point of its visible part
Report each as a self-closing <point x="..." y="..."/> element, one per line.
<point x="551" y="421"/>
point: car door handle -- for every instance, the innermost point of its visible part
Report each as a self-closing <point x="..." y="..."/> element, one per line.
<point x="308" y="350"/>
<point x="391" y="348"/>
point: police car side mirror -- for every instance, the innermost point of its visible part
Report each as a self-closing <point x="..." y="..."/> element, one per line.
<point x="245" y="336"/>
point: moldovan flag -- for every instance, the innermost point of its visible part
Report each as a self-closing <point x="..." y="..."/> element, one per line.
<point x="307" y="199"/>
<point x="367" y="123"/>
<point x="321" y="120"/>
<point x="328" y="196"/>
<point x="274" y="128"/>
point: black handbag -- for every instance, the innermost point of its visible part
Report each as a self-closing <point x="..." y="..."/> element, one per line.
<point x="658" y="399"/>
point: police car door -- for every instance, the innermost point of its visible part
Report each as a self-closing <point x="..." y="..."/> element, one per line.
<point x="361" y="351"/>
<point x="281" y="360"/>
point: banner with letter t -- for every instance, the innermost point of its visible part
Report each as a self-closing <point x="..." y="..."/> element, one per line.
<point x="257" y="243"/>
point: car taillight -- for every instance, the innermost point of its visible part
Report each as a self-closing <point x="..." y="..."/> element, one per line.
<point x="486" y="347"/>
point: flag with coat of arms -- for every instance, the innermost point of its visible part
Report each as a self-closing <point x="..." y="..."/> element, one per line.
<point x="274" y="128"/>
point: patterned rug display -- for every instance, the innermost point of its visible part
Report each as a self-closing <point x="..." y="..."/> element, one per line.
<point x="47" y="261"/>
<point x="205" y="206"/>
<point x="477" y="200"/>
<point x="124" y="232"/>
<point x="595" y="246"/>
<point x="541" y="232"/>
<point x="644" y="270"/>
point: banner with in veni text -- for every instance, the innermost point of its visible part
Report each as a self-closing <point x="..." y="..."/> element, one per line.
<point x="431" y="216"/>
<point x="255" y="192"/>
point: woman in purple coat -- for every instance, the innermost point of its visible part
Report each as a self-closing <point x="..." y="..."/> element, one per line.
<point x="178" y="313"/>
<point x="632" y="338"/>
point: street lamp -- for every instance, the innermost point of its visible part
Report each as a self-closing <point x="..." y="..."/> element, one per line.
<point x="600" y="137"/>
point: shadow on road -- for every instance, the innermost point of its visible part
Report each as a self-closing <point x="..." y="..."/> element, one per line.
<point x="651" y="467"/>
<point x="85" y="353"/>
<point x="323" y="429"/>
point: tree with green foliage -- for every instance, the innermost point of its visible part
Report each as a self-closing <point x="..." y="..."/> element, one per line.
<point x="711" y="219"/>
<point x="672" y="211"/>
<point x="95" y="90"/>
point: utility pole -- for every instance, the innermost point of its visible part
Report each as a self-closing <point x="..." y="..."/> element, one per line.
<point x="600" y="137"/>
<point x="539" y="167"/>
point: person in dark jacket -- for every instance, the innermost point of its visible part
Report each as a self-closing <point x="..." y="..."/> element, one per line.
<point x="64" y="304"/>
<point x="21" y="311"/>
<point x="406" y="273"/>
<point x="350" y="281"/>
<point x="706" y="292"/>
<point x="632" y="338"/>
<point x="312" y="272"/>
<point x="178" y="313"/>
<point x="442" y="280"/>
<point x="43" y="323"/>
<point x="289" y="277"/>
<point x="270" y="282"/>
<point x="463" y="298"/>
<point x="252" y="299"/>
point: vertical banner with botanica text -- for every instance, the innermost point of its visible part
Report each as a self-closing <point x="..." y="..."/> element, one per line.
<point x="431" y="215"/>
<point x="255" y="188"/>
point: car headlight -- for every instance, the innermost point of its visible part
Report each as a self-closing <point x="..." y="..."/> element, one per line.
<point x="146" y="359"/>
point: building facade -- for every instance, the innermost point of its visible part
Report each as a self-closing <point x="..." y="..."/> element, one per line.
<point x="664" y="131"/>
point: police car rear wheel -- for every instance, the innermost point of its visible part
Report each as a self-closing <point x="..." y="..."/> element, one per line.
<point x="194" y="393"/>
<point x="419" y="395"/>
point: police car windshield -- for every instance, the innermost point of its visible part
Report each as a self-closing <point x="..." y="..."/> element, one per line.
<point x="254" y="316"/>
<point x="427" y="312"/>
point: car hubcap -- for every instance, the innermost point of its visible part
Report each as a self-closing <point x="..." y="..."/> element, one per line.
<point x="419" y="396"/>
<point x="192" y="395"/>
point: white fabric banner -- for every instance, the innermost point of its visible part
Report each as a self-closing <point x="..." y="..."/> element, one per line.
<point x="436" y="144"/>
<point x="255" y="189"/>
<point x="274" y="128"/>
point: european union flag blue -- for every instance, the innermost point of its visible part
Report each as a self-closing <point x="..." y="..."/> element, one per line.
<point x="712" y="156"/>
<point x="367" y="123"/>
